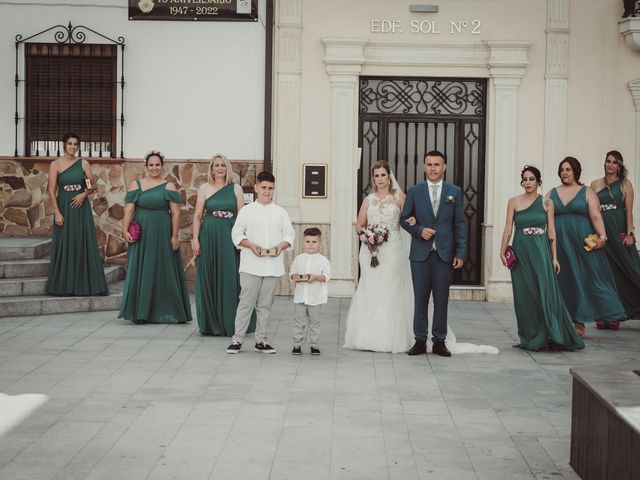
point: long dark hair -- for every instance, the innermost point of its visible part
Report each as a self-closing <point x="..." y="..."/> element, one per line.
<point x="532" y="169"/>
<point x="575" y="166"/>
<point x="622" y="170"/>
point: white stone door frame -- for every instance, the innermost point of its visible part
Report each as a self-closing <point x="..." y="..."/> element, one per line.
<point x="503" y="62"/>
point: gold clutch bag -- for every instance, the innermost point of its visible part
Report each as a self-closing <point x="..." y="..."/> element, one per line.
<point x="591" y="242"/>
<point x="87" y="183"/>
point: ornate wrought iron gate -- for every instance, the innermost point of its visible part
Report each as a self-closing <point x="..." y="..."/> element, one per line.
<point x="403" y="118"/>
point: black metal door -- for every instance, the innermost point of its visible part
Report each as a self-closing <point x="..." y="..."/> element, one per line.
<point x="402" y="118"/>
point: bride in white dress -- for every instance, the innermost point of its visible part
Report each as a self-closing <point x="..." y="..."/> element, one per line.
<point x="380" y="316"/>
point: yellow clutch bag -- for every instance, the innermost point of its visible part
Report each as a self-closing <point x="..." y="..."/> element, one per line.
<point x="591" y="242"/>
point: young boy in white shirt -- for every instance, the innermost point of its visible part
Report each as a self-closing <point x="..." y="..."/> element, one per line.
<point x="311" y="272"/>
<point x="263" y="230"/>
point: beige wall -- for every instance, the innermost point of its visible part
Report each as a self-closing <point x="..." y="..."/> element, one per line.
<point x="600" y="114"/>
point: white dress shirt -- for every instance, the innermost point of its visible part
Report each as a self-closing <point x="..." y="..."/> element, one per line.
<point x="266" y="226"/>
<point x="432" y="199"/>
<point x="314" y="293"/>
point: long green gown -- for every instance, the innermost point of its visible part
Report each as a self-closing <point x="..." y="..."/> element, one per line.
<point x="624" y="261"/>
<point x="155" y="289"/>
<point x="585" y="279"/>
<point x="543" y="319"/>
<point x="217" y="279"/>
<point x="75" y="267"/>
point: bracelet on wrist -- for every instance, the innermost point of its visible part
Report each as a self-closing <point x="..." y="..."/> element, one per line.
<point x="603" y="237"/>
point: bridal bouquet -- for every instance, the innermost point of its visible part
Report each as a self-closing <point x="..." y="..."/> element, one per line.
<point x="375" y="235"/>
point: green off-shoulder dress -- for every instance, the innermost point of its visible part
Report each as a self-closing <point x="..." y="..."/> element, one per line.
<point x="217" y="279"/>
<point x="155" y="289"/>
<point x="585" y="279"/>
<point x="75" y="267"/>
<point x="624" y="261"/>
<point x="543" y="319"/>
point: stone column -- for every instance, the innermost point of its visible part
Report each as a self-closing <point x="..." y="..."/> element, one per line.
<point x="507" y="65"/>
<point x="634" y="87"/>
<point x="556" y="85"/>
<point x="343" y="59"/>
<point x="286" y="105"/>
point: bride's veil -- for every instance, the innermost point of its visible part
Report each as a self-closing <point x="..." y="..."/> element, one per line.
<point x="394" y="183"/>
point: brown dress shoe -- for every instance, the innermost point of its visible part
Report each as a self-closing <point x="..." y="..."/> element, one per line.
<point x="418" y="348"/>
<point x="439" y="348"/>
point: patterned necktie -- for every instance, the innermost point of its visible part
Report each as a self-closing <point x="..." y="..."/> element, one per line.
<point x="434" y="198"/>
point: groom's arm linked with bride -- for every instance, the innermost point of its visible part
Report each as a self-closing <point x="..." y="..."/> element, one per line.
<point x="438" y="245"/>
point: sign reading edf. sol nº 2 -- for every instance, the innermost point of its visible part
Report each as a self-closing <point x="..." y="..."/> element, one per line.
<point x="453" y="27"/>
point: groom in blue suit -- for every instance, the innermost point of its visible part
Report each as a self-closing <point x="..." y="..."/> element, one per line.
<point x="438" y="241"/>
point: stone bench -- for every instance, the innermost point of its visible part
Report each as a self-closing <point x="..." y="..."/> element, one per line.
<point x="605" y="421"/>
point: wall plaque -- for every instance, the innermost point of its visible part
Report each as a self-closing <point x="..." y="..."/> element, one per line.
<point x="315" y="181"/>
<point x="200" y="10"/>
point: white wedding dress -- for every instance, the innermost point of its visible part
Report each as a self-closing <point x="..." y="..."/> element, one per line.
<point x="380" y="316"/>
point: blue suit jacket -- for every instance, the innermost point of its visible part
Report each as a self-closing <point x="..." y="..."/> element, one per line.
<point x="449" y="224"/>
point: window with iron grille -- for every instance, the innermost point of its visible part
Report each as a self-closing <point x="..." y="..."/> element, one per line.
<point x="70" y="87"/>
<point x="67" y="80"/>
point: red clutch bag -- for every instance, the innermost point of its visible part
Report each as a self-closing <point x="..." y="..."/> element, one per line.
<point x="135" y="230"/>
<point x="510" y="255"/>
<point x="624" y="235"/>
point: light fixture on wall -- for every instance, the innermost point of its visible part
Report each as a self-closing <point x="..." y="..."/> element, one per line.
<point x="419" y="8"/>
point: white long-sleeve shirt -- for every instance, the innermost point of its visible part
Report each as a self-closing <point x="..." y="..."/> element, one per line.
<point x="314" y="293"/>
<point x="266" y="226"/>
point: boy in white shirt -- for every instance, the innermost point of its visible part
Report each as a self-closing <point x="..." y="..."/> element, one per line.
<point x="263" y="230"/>
<point x="311" y="272"/>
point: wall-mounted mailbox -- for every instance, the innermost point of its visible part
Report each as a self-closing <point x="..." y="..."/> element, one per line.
<point x="314" y="181"/>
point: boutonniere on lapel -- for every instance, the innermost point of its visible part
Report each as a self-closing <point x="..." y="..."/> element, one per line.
<point x="450" y="199"/>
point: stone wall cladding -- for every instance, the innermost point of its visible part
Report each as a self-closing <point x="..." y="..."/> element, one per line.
<point x="25" y="208"/>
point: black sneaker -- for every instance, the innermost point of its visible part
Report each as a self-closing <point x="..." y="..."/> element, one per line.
<point x="296" y="351"/>
<point x="234" y="347"/>
<point x="264" y="348"/>
<point x="315" y="351"/>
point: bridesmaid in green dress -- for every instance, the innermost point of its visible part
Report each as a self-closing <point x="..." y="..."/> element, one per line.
<point x="543" y="319"/>
<point x="75" y="267"/>
<point x="217" y="281"/>
<point x="615" y="192"/>
<point x="585" y="280"/>
<point x="155" y="290"/>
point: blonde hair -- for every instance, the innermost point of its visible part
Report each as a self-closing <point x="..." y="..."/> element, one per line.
<point x="382" y="164"/>
<point x="228" y="176"/>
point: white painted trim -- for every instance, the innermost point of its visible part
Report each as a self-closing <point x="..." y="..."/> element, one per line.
<point x="556" y="85"/>
<point x="287" y="105"/>
<point x="630" y="30"/>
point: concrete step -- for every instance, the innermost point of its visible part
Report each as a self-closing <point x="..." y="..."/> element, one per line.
<point x="46" y="304"/>
<point x="471" y="293"/>
<point x="13" y="287"/>
<point x="38" y="267"/>
<point x="24" y="248"/>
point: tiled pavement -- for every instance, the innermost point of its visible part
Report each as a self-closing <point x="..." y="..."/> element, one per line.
<point x="162" y="402"/>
